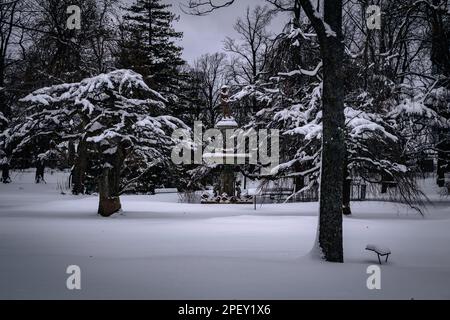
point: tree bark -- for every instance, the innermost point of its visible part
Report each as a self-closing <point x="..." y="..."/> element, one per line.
<point x="40" y="170"/>
<point x="79" y="169"/>
<point x="109" y="184"/>
<point x="440" y="171"/>
<point x="347" y="190"/>
<point x="109" y="203"/>
<point x="71" y="154"/>
<point x="4" y="108"/>
<point x="440" y="58"/>
<point x="5" y="173"/>
<point x="299" y="180"/>
<point x="440" y="40"/>
<point x="331" y="187"/>
<point x="333" y="140"/>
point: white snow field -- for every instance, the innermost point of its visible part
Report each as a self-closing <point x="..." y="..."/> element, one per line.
<point x="161" y="249"/>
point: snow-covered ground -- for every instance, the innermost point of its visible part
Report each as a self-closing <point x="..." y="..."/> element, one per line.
<point x="161" y="249"/>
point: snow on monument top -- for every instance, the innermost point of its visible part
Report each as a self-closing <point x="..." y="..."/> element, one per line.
<point x="227" y="123"/>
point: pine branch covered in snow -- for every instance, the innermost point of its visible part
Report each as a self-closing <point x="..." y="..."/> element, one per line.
<point x="115" y="114"/>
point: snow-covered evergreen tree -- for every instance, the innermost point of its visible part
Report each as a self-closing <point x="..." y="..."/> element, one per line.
<point x="148" y="45"/>
<point x="378" y="147"/>
<point x="117" y="122"/>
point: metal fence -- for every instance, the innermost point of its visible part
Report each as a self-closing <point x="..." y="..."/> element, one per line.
<point x="358" y="192"/>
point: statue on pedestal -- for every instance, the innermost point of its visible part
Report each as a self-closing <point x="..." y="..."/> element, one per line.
<point x="226" y="189"/>
<point x="225" y="102"/>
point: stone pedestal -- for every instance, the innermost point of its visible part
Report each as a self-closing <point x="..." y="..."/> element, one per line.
<point x="227" y="176"/>
<point x="227" y="181"/>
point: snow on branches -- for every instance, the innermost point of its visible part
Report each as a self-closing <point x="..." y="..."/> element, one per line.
<point x="115" y="114"/>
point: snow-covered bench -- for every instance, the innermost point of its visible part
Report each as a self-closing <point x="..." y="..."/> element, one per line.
<point x="380" y="251"/>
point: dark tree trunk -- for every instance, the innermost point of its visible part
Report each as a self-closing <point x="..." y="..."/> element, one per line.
<point x="4" y="108"/>
<point x="109" y="185"/>
<point x="347" y="190"/>
<point x="440" y="40"/>
<point x="299" y="183"/>
<point x="299" y="180"/>
<point x="5" y="173"/>
<point x="6" y="112"/>
<point x="40" y="170"/>
<point x="385" y="183"/>
<point x="330" y="228"/>
<point x="71" y="154"/>
<point x="440" y="58"/>
<point x="79" y="169"/>
<point x="330" y="232"/>
<point x="109" y="202"/>
<point x="333" y="143"/>
<point x="440" y="171"/>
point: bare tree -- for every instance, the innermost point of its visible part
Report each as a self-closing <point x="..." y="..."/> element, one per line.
<point x="103" y="36"/>
<point x="253" y="44"/>
<point x="10" y="39"/>
<point x="210" y="70"/>
<point x="8" y="17"/>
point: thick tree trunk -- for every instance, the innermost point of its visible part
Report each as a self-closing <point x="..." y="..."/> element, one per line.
<point x="440" y="40"/>
<point x="5" y="173"/>
<point x="333" y="143"/>
<point x="79" y="169"/>
<point x="109" y="203"/>
<point x="40" y="170"/>
<point x="440" y="58"/>
<point x="109" y="184"/>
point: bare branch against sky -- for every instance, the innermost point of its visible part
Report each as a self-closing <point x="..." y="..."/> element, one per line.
<point x="205" y="34"/>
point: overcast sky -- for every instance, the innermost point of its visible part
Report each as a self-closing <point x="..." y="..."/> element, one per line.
<point x="205" y="34"/>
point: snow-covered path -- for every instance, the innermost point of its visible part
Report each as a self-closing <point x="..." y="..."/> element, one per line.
<point x="161" y="249"/>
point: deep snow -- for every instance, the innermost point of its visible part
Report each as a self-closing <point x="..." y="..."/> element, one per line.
<point x="161" y="249"/>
